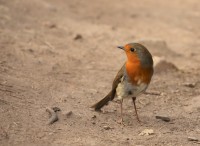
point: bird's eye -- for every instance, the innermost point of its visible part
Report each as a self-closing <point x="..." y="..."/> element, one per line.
<point x="132" y="49"/>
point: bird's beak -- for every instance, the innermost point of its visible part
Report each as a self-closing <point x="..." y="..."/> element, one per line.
<point x="121" y="47"/>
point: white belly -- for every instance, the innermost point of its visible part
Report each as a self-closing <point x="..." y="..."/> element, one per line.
<point x="127" y="90"/>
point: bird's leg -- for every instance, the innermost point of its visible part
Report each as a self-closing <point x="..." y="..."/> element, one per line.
<point x="121" y="110"/>
<point x="134" y="98"/>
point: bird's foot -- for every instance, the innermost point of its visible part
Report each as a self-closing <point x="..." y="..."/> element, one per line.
<point x="138" y="120"/>
<point x="121" y="121"/>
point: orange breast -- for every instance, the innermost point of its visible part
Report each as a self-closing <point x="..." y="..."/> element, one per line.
<point x="137" y="74"/>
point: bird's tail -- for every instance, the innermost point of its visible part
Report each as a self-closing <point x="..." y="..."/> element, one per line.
<point x="104" y="101"/>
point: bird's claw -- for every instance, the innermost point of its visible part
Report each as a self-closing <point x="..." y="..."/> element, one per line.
<point x="121" y="121"/>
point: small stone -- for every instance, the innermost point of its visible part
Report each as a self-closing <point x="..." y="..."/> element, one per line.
<point x="30" y="50"/>
<point x="164" y="118"/>
<point x="78" y="37"/>
<point x="192" y="139"/>
<point x="190" y="85"/>
<point x="147" y="132"/>
<point x="94" y="117"/>
<point x="106" y="127"/>
<point x="50" y="25"/>
<point x="68" y="114"/>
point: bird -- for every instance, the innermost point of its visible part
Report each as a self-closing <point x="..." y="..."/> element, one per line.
<point x="132" y="79"/>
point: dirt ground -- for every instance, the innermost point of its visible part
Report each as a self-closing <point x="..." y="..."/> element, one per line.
<point x="63" y="54"/>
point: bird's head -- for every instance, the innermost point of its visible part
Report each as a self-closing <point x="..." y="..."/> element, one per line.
<point x="137" y="53"/>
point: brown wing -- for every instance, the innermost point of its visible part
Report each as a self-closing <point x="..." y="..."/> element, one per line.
<point x="117" y="80"/>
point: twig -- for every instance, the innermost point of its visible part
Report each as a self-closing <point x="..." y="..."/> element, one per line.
<point x="49" y="45"/>
<point x="153" y="93"/>
<point x="53" y="116"/>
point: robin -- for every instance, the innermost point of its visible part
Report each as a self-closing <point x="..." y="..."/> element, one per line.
<point x="132" y="79"/>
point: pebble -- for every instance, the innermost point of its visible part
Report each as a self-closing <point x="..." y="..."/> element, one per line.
<point x="190" y="85"/>
<point x="68" y="114"/>
<point x="78" y="37"/>
<point x="192" y="139"/>
<point x="94" y="117"/>
<point x="106" y="127"/>
<point x="147" y="132"/>
<point x="164" y="118"/>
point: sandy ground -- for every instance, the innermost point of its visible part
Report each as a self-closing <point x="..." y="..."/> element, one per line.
<point x="63" y="54"/>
